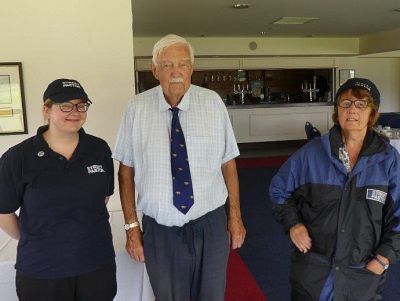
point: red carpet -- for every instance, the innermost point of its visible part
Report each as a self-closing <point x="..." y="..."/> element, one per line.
<point x="261" y="162"/>
<point x="240" y="284"/>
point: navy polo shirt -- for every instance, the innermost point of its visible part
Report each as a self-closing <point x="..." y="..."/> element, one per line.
<point x="64" y="228"/>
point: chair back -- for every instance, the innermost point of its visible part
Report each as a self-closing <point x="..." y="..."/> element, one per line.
<point x="311" y="131"/>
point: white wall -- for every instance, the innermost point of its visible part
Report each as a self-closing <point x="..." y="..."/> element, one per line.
<point x="380" y="42"/>
<point x="90" y="41"/>
<point x="384" y="72"/>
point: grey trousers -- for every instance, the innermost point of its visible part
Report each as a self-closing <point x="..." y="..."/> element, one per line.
<point x="189" y="262"/>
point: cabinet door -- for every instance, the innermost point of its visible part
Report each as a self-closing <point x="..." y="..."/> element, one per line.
<point x="143" y="64"/>
<point x="278" y="124"/>
<point x="200" y="63"/>
<point x="287" y="62"/>
<point x="216" y="63"/>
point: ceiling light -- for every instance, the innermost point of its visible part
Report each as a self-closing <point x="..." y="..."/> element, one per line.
<point x="294" y="20"/>
<point x="240" y="6"/>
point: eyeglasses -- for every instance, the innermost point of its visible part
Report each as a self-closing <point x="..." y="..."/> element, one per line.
<point x="69" y="106"/>
<point x="358" y="103"/>
<point x="182" y="65"/>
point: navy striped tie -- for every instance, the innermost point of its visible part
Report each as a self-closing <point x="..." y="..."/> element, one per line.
<point x="181" y="179"/>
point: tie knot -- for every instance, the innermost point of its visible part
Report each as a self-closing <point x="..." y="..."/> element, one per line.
<point x="175" y="111"/>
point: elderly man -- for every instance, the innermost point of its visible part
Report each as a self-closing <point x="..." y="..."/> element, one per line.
<point x="176" y="145"/>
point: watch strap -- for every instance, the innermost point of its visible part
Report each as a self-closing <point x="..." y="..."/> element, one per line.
<point x="384" y="266"/>
<point x="131" y="226"/>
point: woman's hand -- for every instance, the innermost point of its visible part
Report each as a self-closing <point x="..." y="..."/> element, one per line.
<point x="300" y="238"/>
<point x="375" y="267"/>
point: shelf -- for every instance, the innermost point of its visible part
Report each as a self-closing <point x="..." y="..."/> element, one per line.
<point x="273" y="84"/>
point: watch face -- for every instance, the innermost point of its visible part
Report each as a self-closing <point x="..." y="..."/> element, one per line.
<point x="126" y="226"/>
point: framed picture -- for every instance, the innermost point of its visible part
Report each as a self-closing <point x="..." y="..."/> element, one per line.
<point x="12" y="100"/>
<point x="345" y="74"/>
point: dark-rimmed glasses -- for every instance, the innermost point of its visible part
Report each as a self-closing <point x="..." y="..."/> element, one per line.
<point x="358" y="103"/>
<point x="69" y="106"/>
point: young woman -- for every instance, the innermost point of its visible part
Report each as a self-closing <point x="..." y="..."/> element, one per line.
<point x="60" y="181"/>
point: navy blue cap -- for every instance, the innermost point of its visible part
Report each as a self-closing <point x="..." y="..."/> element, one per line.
<point x="62" y="90"/>
<point x="360" y="83"/>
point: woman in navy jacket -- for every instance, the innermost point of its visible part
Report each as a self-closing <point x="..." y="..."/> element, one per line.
<point x="60" y="181"/>
<point x="338" y="197"/>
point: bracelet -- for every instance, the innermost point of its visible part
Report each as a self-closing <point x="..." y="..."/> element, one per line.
<point x="384" y="266"/>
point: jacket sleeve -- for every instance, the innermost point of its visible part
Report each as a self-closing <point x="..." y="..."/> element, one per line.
<point x="282" y="192"/>
<point x="390" y="242"/>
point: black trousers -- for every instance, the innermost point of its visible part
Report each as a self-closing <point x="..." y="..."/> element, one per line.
<point x="188" y="262"/>
<point x="99" y="285"/>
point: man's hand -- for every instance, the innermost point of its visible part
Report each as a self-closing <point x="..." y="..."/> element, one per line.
<point x="300" y="237"/>
<point x="237" y="232"/>
<point x="134" y="244"/>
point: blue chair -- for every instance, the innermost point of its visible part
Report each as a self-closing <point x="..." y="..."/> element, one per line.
<point x="394" y="122"/>
<point x="391" y="119"/>
<point x="311" y="131"/>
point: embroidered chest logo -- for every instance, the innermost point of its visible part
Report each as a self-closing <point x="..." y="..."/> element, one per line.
<point x="376" y="195"/>
<point x="95" y="169"/>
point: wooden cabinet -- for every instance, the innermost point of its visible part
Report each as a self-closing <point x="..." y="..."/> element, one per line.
<point x="200" y="63"/>
<point x="217" y="63"/>
<point x="287" y="62"/>
<point x="143" y="64"/>
<point x="235" y="63"/>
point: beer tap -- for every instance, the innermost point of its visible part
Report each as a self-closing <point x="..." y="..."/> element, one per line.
<point x="242" y="94"/>
<point x="312" y="91"/>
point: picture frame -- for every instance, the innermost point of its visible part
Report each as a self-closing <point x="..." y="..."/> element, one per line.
<point x="12" y="100"/>
<point x="345" y="74"/>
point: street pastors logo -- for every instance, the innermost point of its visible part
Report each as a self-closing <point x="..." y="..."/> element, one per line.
<point x="376" y="195"/>
<point x="363" y="85"/>
<point x="67" y="84"/>
<point x="95" y="169"/>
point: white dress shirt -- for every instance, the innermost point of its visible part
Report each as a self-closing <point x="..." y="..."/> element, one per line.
<point x="143" y="143"/>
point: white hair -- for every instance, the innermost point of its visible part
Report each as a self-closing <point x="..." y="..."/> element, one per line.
<point x="167" y="41"/>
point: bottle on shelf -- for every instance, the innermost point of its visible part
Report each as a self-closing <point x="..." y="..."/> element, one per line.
<point x="248" y="94"/>
<point x="236" y="94"/>
<point x="262" y="94"/>
<point x="205" y="81"/>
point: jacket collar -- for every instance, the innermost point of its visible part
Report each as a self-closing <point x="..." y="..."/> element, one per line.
<point x="373" y="142"/>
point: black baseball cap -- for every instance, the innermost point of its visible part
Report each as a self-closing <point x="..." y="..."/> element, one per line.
<point x="62" y="90"/>
<point x="360" y="83"/>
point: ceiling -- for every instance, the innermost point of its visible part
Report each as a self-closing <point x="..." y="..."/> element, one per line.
<point x="217" y="18"/>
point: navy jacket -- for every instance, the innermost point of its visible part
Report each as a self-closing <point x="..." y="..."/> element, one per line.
<point x="349" y="216"/>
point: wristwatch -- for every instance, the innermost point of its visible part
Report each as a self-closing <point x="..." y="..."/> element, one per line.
<point x="384" y="266"/>
<point x="131" y="226"/>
